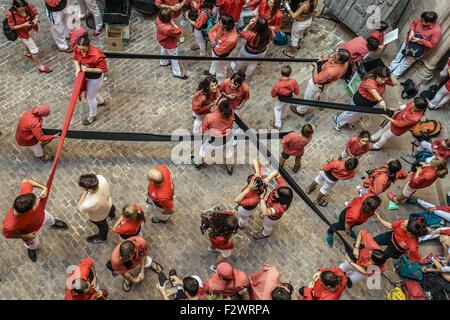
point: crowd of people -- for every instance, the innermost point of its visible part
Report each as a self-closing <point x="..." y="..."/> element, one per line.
<point x="215" y="103"/>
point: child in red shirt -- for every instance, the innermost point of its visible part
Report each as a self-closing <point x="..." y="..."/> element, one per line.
<point x="129" y="224"/>
<point x="284" y="87"/>
<point x="357" y="146"/>
<point x="327" y="284"/>
<point x="294" y="145"/>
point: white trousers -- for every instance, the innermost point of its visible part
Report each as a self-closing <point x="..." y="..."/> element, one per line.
<point x="245" y="13"/>
<point x="207" y="149"/>
<point x="58" y="28"/>
<point x="444" y="71"/>
<point x="91" y="5"/>
<point x="353" y="274"/>
<point x="440" y="213"/>
<point x="268" y="225"/>
<point x="325" y="182"/>
<point x="434" y="236"/>
<point x="279" y="110"/>
<point x="30" y="44"/>
<point x="348" y="116"/>
<point x="427" y="146"/>
<point x="218" y="68"/>
<point x="312" y="93"/>
<point x="383" y="135"/>
<point x="244" y="216"/>
<point x="37" y="150"/>
<point x="247" y="66"/>
<point x="200" y="41"/>
<point x="198" y="123"/>
<point x="298" y="30"/>
<point x="93" y="87"/>
<point x="176" y="70"/>
<point x="401" y="63"/>
<point x="48" y="222"/>
<point x="440" y="99"/>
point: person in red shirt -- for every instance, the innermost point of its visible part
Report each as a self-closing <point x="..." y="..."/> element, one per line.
<point x="92" y="61"/>
<point x="429" y="30"/>
<point x="227" y="282"/>
<point x="370" y="260"/>
<point x="285" y="87"/>
<point x="237" y="92"/>
<point x="223" y="39"/>
<point x="233" y="8"/>
<point x="266" y="285"/>
<point x="129" y="255"/>
<point x="424" y="177"/>
<point x="248" y="12"/>
<point x="294" y="144"/>
<point x="29" y="132"/>
<point x="270" y="9"/>
<point x="403" y="238"/>
<point x="327" y="284"/>
<point x="332" y="69"/>
<point x="26" y="219"/>
<point x="249" y="199"/>
<point x="203" y="15"/>
<point x="24" y="18"/>
<point x="258" y="35"/>
<point x="331" y="172"/>
<point x="205" y="98"/>
<point x="218" y="125"/>
<point x="221" y="225"/>
<point x="59" y="25"/>
<point x="369" y="94"/>
<point x="357" y="212"/>
<point x="439" y="148"/>
<point x="176" y="8"/>
<point x="160" y="192"/>
<point x="380" y="179"/>
<point x="190" y="288"/>
<point x="406" y="117"/>
<point x="440" y="211"/>
<point x="167" y="34"/>
<point x="357" y="146"/>
<point x="378" y="34"/>
<point x="129" y="224"/>
<point x="274" y="205"/>
<point x="82" y="283"/>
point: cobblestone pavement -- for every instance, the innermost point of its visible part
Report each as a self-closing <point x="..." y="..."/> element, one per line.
<point x="143" y="97"/>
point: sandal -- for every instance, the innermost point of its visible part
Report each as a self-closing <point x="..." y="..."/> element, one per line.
<point x="87" y="122"/>
<point x="294" y="110"/>
<point x="29" y="55"/>
<point x="259" y="236"/>
<point x="229" y="169"/>
<point x="272" y="124"/>
<point x="126" y="285"/>
<point x="46" y="69"/>
<point x="392" y="197"/>
<point x="322" y="203"/>
<point x="287" y="55"/>
<point x="156" y="267"/>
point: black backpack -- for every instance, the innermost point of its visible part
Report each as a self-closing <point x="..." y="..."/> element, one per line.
<point x="9" y="33"/>
<point x="410" y="89"/>
<point x="436" y="285"/>
<point x="414" y="49"/>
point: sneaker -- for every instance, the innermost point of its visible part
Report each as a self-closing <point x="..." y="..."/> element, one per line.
<point x="68" y="50"/>
<point x="183" y="77"/>
<point x="94" y="239"/>
<point x="330" y="240"/>
<point x="112" y="212"/>
<point x="426" y="260"/>
<point x="195" y="47"/>
<point x="58" y="224"/>
<point x="212" y="250"/>
<point x="353" y="235"/>
<point x="213" y="268"/>
<point x="32" y="254"/>
<point x="197" y="166"/>
<point x="97" y="33"/>
<point x="335" y="124"/>
<point x="359" y="190"/>
<point x="349" y="283"/>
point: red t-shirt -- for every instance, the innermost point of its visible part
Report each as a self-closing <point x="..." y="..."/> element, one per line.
<point x="357" y="48"/>
<point x="331" y="72"/>
<point x="84" y="268"/>
<point x="216" y="125"/>
<point x="277" y="209"/>
<point x="31" y="12"/>
<point x="171" y="3"/>
<point x="167" y="34"/>
<point x="27" y="222"/>
<point x="202" y="19"/>
<point x="445" y="232"/>
<point x="241" y="94"/>
<point x="251" y="199"/>
<point x="406" y="119"/>
<point x="94" y="58"/>
<point x="264" y="11"/>
<point x="354" y="214"/>
<point x="378" y="35"/>
<point x="220" y="242"/>
<point x="141" y="252"/>
<point x="338" y="170"/>
<point x="431" y="35"/>
<point x="29" y="130"/>
<point x="201" y="104"/>
<point x="369" y="84"/>
<point x="405" y="241"/>
<point x="162" y="194"/>
<point x="366" y="252"/>
<point x="319" y="292"/>
<point x="231" y="7"/>
<point x="251" y="38"/>
<point x="222" y="42"/>
<point x="378" y="182"/>
<point x="426" y="178"/>
<point x="354" y="147"/>
<point x="440" y="149"/>
<point x="294" y="144"/>
<point x="129" y="227"/>
<point x="285" y="87"/>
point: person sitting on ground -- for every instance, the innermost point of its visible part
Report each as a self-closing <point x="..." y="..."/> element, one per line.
<point x="227" y="282"/>
<point x="439" y="148"/>
<point x="190" y="288"/>
<point x="327" y="284"/>
<point x="441" y="211"/>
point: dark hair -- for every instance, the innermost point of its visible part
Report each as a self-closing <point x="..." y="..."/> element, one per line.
<point x="429" y="16"/>
<point x="311" y="5"/>
<point x="191" y="286"/>
<point x="83" y="41"/>
<point x="330" y="279"/>
<point x="19" y="3"/>
<point x="286" y="71"/>
<point x="343" y="55"/>
<point x="88" y="181"/>
<point x="261" y="187"/>
<point x="420" y="103"/>
<point x="205" y="84"/>
<point x="209" y="4"/>
<point x="126" y="249"/>
<point x="222" y="224"/>
<point x="275" y="8"/>
<point x="225" y="109"/>
<point x="165" y="15"/>
<point x="263" y="33"/>
<point x="364" y="134"/>
<point x="447" y="143"/>
<point x="24" y="202"/>
<point x="351" y="164"/>
<point x="80" y="286"/>
<point x="285" y="196"/>
<point x="238" y="78"/>
<point x="382" y="72"/>
<point x="307" y="130"/>
<point x="371" y="204"/>
<point x="227" y="22"/>
<point x="378" y="257"/>
<point x="417" y="227"/>
<point x="280" y="293"/>
<point x="393" y="168"/>
<point x="373" y="43"/>
<point x="383" y="26"/>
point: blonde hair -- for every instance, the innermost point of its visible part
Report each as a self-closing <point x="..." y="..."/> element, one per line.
<point x="131" y="212"/>
<point x="440" y="164"/>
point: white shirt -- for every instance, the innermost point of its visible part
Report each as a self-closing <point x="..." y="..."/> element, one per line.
<point x="97" y="204"/>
